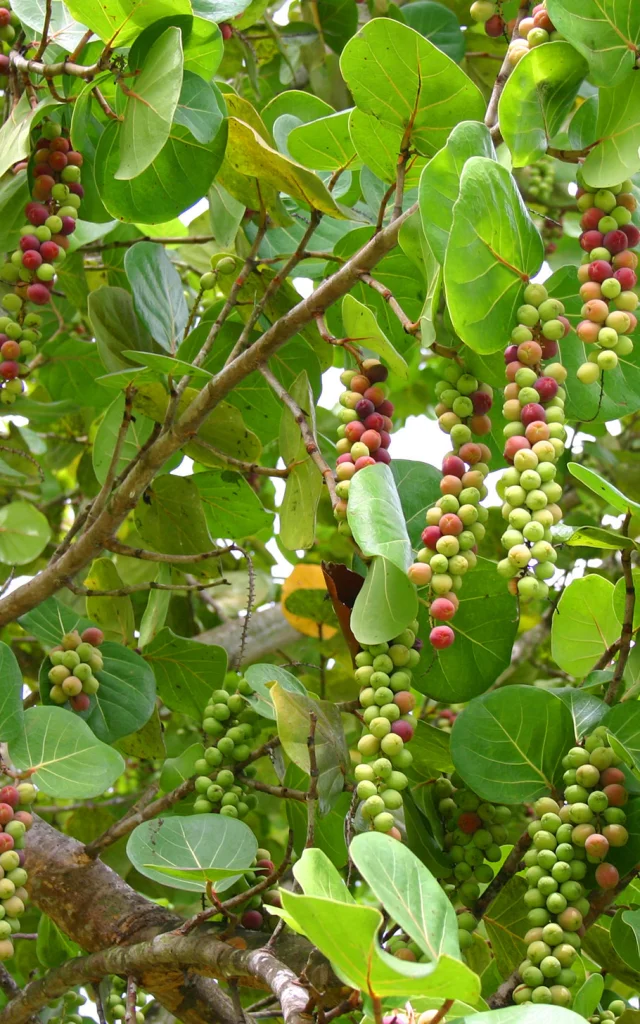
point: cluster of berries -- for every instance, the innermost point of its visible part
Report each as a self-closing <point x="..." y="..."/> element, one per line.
<point x="115" y="1003"/>
<point x="9" y="23"/>
<point x="488" y="13"/>
<point x="607" y="276"/>
<point x="570" y="844"/>
<point x="533" y="31"/>
<point x="540" y="179"/>
<point x="66" y="1009"/>
<point x="383" y="672"/>
<point x="364" y="434"/>
<point x="535" y="435"/>
<point x="252" y="912"/>
<point x="74" y="664"/>
<point x="15" y="821"/>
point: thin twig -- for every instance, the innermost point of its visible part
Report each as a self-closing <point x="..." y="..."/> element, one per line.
<point x="491" y="116"/>
<point x="140" y="588"/>
<point x="408" y="324"/>
<point x="155" y="556"/>
<point x="130" y="1005"/>
<point x="159" y="240"/>
<point x="45" y="30"/>
<point x="251" y="596"/>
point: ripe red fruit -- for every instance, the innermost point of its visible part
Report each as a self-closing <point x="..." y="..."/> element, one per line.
<point x="386" y="408"/>
<point x="10" y="350"/>
<point x="9" y="369"/>
<point x="547" y="388"/>
<point x="42" y="186"/>
<point x="68" y="225"/>
<point x="5" y="64"/>
<point x="627" y="278"/>
<point x="591" y="240"/>
<point x="372" y="440"/>
<point x="382" y="455"/>
<point x="532" y="412"/>
<point x="31" y="259"/>
<point x="403" y="729"/>
<point x="611" y="776"/>
<point x="633" y="235"/>
<point x="49" y="251"/>
<point x="36" y="214"/>
<point x="81" y="702"/>
<point x="385" y="438"/>
<point x="6" y="813"/>
<point x="363" y="461"/>
<point x="267" y="866"/>
<point x="597" y="846"/>
<point x="615" y="241"/>
<point x="29" y="242"/>
<point x="452" y="465"/>
<point x="513" y="445"/>
<point x="441" y="637"/>
<point x="471" y="453"/>
<point x="364" y="408"/>
<point x="58" y="161"/>
<point x="607" y="876"/>
<point x="590" y="219"/>
<point x="60" y="145"/>
<point x="225" y="30"/>
<point x="430" y="536"/>
<point x="77" y="189"/>
<point x="42" y="169"/>
<point x="450" y="524"/>
<point x="354" y="431"/>
<point x="550" y="348"/>
<point x="567" y="325"/>
<point x="375" y="421"/>
<point x="6" y="842"/>
<point x="511" y="354"/>
<point x="74" y="158"/>
<point x="469" y="822"/>
<point x="405" y="701"/>
<point x="482" y="402"/>
<point x="93" y="635"/>
<point x="616" y="795"/>
<point x="442" y="609"/>
<point x="347" y="457"/>
<point x="600" y="270"/>
<point x="495" y="26"/>
<point x="9" y="795"/>
<point x="374" y="394"/>
<point x="38" y="293"/>
<point x="252" y="919"/>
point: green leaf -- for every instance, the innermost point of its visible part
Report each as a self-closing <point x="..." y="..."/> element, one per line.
<point x="11" y="712"/>
<point x="440" y="181"/>
<point x="249" y="154"/>
<point x="325" y="144"/>
<point x="114" y="615"/>
<point x="198" y="108"/>
<point x="231" y="506"/>
<point x="338" y="21"/>
<point x="24" y="533"/>
<point x="125" y="700"/>
<point x="51" y="619"/>
<point x="151" y="104"/>
<point x="138" y="432"/>
<point x="117" y="328"/>
<point x="623" y="722"/>
<point x="528" y="1013"/>
<point x="485" y="626"/>
<point x="421" y="840"/>
<point x="506" y="923"/>
<point x="538" y="95"/>
<point x="317" y="876"/>
<point x="361" y="964"/>
<point x="402" y="79"/>
<point x="329" y="830"/>
<point x="63" y="29"/>
<point x="261" y="678"/>
<point x="586" y="999"/>
<point x="435" y="22"/>
<point x="594" y="537"/>
<point x="177" y="770"/>
<point x="293" y="711"/>
<point x="120" y="21"/>
<point x="203" y="841"/>
<point x="386" y="604"/>
<point x="418" y="486"/>
<point x="606" y="32"/>
<point x="158" y="293"/>
<point x="508" y="745"/>
<point x="587" y="710"/>
<point x="67" y="759"/>
<point x="584" y="624"/>
<point x="599" y="947"/>
<point x="377" y="144"/>
<point x="199" y="874"/>
<point x="616" y="156"/>
<point x="146" y="743"/>
<point x="177" y="178"/>
<point x="167" y="364"/>
<point x="625" y="935"/>
<point x="304" y="482"/>
<point x="14" y="193"/>
<point x="171" y="520"/>
<point x="70" y="371"/>
<point x="219" y="10"/>
<point x="430" y="747"/>
<point x="187" y="672"/>
<point x="493" y="250"/>
<point x="408" y="892"/>
<point x="360" y="324"/>
<point x="14" y="133"/>
<point x="376" y="516"/>
<point x="53" y="948"/>
<point x="603" y="488"/>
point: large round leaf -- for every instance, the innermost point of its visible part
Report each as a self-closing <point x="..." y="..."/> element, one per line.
<point x="508" y="745"/>
<point x="606" y="32"/>
<point x="67" y="759"/>
<point x="584" y="624"/>
<point x="199" y="842"/>
<point x="617" y="155"/>
<point x="24" y="533"/>
<point x="438" y="24"/>
<point x="126" y="698"/>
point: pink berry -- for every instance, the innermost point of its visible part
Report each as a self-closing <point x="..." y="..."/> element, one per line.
<point x="442" y="609"/>
<point x="550" y="348"/>
<point x="531" y="412"/>
<point x="513" y="445"/>
<point x="600" y="270"/>
<point x="382" y="455"/>
<point x="567" y="326"/>
<point x="430" y="536"/>
<point x="386" y="408"/>
<point x="36" y="214"/>
<point x="9" y="795"/>
<point x="5" y="65"/>
<point x="9" y="370"/>
<point x="547" y="388"/>
<point x="347" y="457"/>
<point x="68" y="225"/>
<point x="252" y="919"/>
<point x="38" y="293"/>
<point x="225" y="30"/>
<point x="374" y="422"/>
<point x="403" y="729"/>
<point x="364" y="460"/>
<point x="590" y="219"/>
<point x="633" y="235"/>
<point x="441" y="637"/>
<point x="6" y="842"/>
<point x="627" y="278"/>
<point x="6" y="813"/>
<point x="450" y="525"/>
<point x="615" y="241"/>
<point x="364" y="408"/>
<point x="31" y="259"/>
<point x="29" y="242"/>
<point x="385" y="438"/>
<point x="591" y="240"/>
<point x="49" y="251"/>
<point x="482" y="402"/>
<point x="453" y="466"/>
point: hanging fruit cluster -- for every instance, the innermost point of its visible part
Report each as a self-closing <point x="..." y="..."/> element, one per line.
<point x="535" y="435"/>
<point x="456" y="524"/>
<point x="474" y="831"/>
<point x="540" y="180"/>
<point x="570" y="845"/>
<point x="488" y="13"/>
<point x="74" y="664"/>
<point x="115" y="1003"/>
<point x="66" y="1009"/>
<point x="607" y="276"/>
<point x="252" y="913"/>
<point x="15" y="821"/>
<point x="31" y="269"/>
<point x="384" y="673"/>
<point x="614" y="1010"/>
<point x="533" y="31"/>
<point x="8" y="25"/>
<point x="364" y="434"/>
<point x="230" y="725"/>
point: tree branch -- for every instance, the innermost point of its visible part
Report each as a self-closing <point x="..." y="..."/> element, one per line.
<point x="137" y="588"/>
<point x="407" y="323"/>
<point x="491" y="116"/>
<point x="167" y="240"/>
<point x="154" y="556"/>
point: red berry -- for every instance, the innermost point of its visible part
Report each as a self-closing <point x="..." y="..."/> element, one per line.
<point x="92" y="635"/>
<point x="442" y="609"/>
<point x="77" y="189"/>
<point x="611" y="776"/>
<point x="450" y="524"/>
<point x="49" y="251"/>
<point x="364" y="408"/>
<point x="225" y="30"/>
<point x="405" y="701"/>
<point x="267" y="866"/>
<point x="5" y="64"/>
<point x="36" y="214"/>
<point x="372" y="440"/>
<point x="60" y="240"/>
<point x="80" y="703"/>
<point x="600" y="270"/>
<point x="531" y="412"/>
<point x="590" y="219"/>
<point x="9" y="795"/>
<point x="616" y="794"/>
<point x="567" y="325"/>
<point x="549" y="348"/>
<point x="482" y="402"/>
<point x="68" y="225"/>
<point x="607" y="876"/>
<point x="9" y="369"/>
<point x="6" y="842"/>
<point x="633" y="235"/>
<point x="615" y="241"/>
<point x="547" y="388"/>
<point x="354" y="431"/>
<point x="10" y="350"/>
<point x="597" y="846"/>
<point x="627" y="278"/>
<point x="452" y="465"/>
<point x="31" y="259"/>
<point x="42" y="186"/>
<point x="386" y="408"/>
<point x="375" y="422"/>
<point x="374" y="394"/>
<point x="363" y="461"/>
<point x="42" y="169"/>
<point x="58" y="161"/>
<point x="252" y="919"/>
<point x="513" y="445"/>
<point x="29" y="242"/>
<point x="5" y="17"/>
<point x="591" y="240"/>
<point x="403" y="729"/>
<point x="495" y="26"/>
<point x="511" y="354"/>
<point x="60" y="145"/>
<point x="441" y="637"/>
<point x="74" y="158"/>
<point x="385" y="439"/>
<point x="25" y="818"/>
<point x="469" y="822"/>
<point x="430" y="536"/>
<point x="472" y="452"/>
<point x="38" y="293"/>
<point x="344" y="458"/>
<point x="6" y="813"/>
<point x="382" y="455"/>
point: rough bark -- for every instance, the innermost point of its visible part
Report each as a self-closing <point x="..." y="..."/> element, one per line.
<point x="268" y="631"/>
